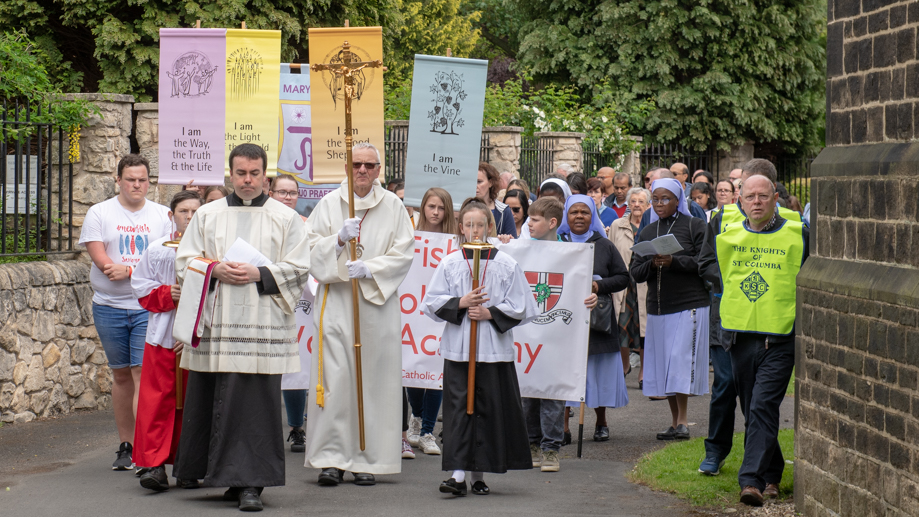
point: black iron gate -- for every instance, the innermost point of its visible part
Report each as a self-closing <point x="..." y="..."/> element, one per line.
<point x="36" y="179"/>
<point x="396" y="150"/>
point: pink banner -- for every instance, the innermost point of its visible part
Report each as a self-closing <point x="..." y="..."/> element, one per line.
<point x="192" y="106"/>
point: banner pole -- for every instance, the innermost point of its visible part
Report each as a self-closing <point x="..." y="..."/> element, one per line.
<point x="581" y="428"/>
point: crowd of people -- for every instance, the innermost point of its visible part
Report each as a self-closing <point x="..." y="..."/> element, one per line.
<point x="230" y="265"/>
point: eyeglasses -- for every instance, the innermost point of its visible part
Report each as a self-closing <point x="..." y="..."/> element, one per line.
<point x="286" y="193"/>
<point x="662" y="201"/>
<point x="366" y="165"/>
<point x="516" y="209"/>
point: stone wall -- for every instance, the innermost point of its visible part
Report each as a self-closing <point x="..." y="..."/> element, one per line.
<point x="51" y="361"/>
<point x="104" y="140"/>
<point x="857" y="402"/>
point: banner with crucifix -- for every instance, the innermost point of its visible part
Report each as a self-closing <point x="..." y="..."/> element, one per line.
<point x="445" y="127"/>
<point x="327" y="99"/>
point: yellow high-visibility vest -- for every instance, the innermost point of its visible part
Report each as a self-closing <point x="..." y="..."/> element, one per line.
<point x="731" y="215"/>
<point x="758" y="272"/>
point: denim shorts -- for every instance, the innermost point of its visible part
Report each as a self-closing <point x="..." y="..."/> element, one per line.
<point x="122" y="333"/>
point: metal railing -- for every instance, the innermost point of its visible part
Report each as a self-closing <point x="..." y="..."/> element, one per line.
<point x="535" y="160"/>
<point x="665" y="155"/>
<point x="593" y="159"/>
<point x="794" y="172"/>
<point x="36" y="179"/>
<point x="396" y="151"/>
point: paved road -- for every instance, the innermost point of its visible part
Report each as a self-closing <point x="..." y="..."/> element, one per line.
<point x="62" y="467"/>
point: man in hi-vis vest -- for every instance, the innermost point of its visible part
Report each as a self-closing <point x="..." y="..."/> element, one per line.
<point x="758" y="259"/>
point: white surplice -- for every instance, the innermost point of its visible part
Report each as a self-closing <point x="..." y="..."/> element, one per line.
<point x="156" y="269"/>
<point x="389" y="244"/>
<point x="251" y="332"/>
<point x="507" y="290"/>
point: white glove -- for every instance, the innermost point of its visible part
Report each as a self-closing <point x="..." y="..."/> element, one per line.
<point x="357" y="269"/>
<point x="351" y="230"/>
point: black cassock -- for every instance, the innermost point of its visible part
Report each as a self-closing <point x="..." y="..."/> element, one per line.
<point x="232" y="434"/>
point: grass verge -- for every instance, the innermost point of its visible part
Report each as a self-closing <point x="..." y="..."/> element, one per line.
<point x="674" y="469"/>
<point x="791" y="387"/>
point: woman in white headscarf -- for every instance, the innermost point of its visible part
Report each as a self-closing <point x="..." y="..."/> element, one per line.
<point x="676" y="343"/>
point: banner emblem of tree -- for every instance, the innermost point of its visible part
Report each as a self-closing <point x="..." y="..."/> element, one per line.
<point x="448" y="96"/>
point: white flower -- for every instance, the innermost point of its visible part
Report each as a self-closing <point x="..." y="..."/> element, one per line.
<point x="604" y="119"/>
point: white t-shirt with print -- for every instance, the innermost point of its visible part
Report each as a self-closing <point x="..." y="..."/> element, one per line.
<point x="126" y="236"/>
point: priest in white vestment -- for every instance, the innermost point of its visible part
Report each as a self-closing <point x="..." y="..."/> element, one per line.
<point x="387" y="239"/>
<point x="232" y="429"/>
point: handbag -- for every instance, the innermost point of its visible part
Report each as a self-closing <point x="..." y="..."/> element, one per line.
<point x="601" y="317"/>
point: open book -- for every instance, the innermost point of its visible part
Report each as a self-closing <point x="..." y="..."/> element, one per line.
<point x="663" y="245"/>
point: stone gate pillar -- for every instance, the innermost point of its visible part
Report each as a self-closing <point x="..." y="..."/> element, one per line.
<point x="857" y="404"/>
<point x="565" y="148"/>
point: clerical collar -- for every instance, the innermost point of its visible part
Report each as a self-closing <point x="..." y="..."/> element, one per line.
<point x="235" y="200"/>
<point x="487" y="254"/>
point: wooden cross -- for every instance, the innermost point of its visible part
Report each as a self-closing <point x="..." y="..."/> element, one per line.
<point x="346" y="70"/>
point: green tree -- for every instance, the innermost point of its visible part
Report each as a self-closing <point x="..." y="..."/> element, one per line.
<point x="719" y="71"/>
<point x="430" y="27"/>
<point x="114" y="46"/>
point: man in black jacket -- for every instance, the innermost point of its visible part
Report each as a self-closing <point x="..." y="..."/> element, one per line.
<point x="764" y="249"/>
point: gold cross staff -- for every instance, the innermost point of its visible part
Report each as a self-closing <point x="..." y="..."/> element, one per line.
<point x="346" y="70"/>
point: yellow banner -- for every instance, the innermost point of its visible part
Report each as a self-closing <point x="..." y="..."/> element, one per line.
<point x="252" y="83"/>
<point x="327" y="97"/>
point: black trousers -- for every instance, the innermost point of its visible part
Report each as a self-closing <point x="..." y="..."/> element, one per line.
<point x="762" y="370"/>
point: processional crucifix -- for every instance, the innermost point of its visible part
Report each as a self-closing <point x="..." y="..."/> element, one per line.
<point x="346" y="69"/>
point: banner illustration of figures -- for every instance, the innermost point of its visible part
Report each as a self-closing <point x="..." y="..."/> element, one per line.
<point x="445" y="127"/>
<point x="253" y="74"/>
<point x="295" y="148"/>
<point x="192" y="100"/>
<point x="551" y="351"/>
<point x="327" y="98"/>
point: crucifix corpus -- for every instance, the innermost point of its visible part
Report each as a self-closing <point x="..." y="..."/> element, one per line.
<point x="346" y="70"/>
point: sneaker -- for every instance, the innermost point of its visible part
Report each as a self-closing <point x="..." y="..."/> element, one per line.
<point x="414" y="431"/>
<point x="297" y="437"/>
<point x="549" y="461"/>
<point x="429" y="445"/>
<point x="123" y="457"/>
<point x="407" y="452"/>
<point x="536" y="453"/>
<point x="711" y="466"/>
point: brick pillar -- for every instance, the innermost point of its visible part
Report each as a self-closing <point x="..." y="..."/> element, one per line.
<point x="505" y="148"/>
<point x="857" y="403"/>
<point x="565" y="148"/>
<point x="103" y="141"/>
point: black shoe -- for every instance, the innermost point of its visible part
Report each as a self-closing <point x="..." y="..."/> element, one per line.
<point x="450" y="486"/>
<point x="363" y="479"/>
<point x="681" y="432"/>
<point x="155" y="479"/>
<point x="331" y="477"/>
<point x="480" y="488"/>
<point x="298" y="437"/>
<point x="249" y="500"/>
<point x="641" y="385"/>
<point x="188" y="484"/>
<point x="232" y="494"/>
<point x="667" y="435"/>
<point x="567" y="439"/>
<point x="140" y="471"/>
<point x="601" y="433"/>
<point x="123" y="457"/>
